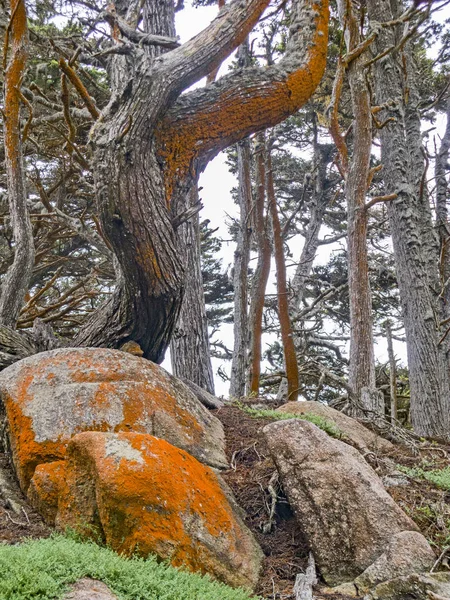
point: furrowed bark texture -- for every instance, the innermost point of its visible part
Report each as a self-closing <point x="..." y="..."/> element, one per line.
<point x="362" y="360"/>
<point x="151" y="142"/>
<point x="240" y="277"/>
<point x="260" y="226"/>
<point x="427" y="361"/>
<point x="16" y="281"/>
<point x="440" y="172"/>
<point x="189" y="347"/>
<point x="287" y="336"/>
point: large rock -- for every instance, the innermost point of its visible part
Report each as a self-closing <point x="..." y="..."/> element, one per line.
<point x="339" y="501"/>
<point x="353" y="432"/>
<point x="140" y="494"/>
<point x="52" y="396"/>
<point x="435" y="586"/>
<point x="407" y="552"/>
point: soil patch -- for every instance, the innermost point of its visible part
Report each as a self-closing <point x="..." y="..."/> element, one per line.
<point x="15" y="528"/>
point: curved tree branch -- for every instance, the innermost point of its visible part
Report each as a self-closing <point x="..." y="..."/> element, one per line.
<point x="207" y="50"/>
<point x="205" y="121"/>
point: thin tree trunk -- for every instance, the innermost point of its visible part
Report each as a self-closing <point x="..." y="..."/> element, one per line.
<point x="16" y="281"/>
<point x="287" y="337"/>
<point x="362" y="360"/>
<point x="427" y="360"/>
<point x="189" y="347"/>
<point x="240" y="278"/>
<point x="259" y="283"/>
<point x="392" y="373"/>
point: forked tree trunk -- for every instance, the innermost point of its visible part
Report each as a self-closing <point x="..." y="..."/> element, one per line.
<point x="240" y="277"/>
<point x="189" y="347"/>
<point x="427" y="360"/>
<point x="260" y="226"/>
<point x="152" y="141"/>
<point x="356" y="173"/>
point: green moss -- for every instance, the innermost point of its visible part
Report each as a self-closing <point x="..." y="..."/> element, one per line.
<point x="43" y="569"/>
<point x="438" y="477"/>
<point x="328" y="426"/>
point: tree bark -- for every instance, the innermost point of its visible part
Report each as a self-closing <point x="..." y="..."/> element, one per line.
<point x="240" y="277"/>
<point x="427" y="361"/>
<point x="16" y="281"/>
<point x="189" y="347"/>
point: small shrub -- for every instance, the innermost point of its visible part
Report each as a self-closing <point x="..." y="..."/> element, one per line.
<point x="438" y="477"/>
<point x="43" y="569"/>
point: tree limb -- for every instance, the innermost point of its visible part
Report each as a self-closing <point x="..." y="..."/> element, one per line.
<point x="205" y="121"/>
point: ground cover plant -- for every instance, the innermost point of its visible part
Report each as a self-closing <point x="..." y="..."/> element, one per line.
<point x="43" y="569"/>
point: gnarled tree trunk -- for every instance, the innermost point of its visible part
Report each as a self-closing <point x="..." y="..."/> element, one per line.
<point x="151" y="142"/>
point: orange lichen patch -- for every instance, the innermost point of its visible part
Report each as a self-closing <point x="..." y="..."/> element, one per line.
<point x="151" y="497"/>
<point x="27" y="453"/>
<point x="52" y="396"/>
<point x="45" y="487"/>
<point x="241" y="106"/>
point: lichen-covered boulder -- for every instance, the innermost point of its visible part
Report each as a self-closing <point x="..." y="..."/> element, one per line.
<point x="140" y="494"/>
<point x="44" y="489"/>
<point x="54" y="395"/>
<point x="339" y="501"/>
<point x="353" y="432"/>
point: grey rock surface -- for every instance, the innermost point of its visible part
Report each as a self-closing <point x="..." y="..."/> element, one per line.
<point x="339" y="501"/>
<point x="89" y="589"/>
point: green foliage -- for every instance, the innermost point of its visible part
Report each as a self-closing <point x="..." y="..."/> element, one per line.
<point x="322" y="423"/>
<point x="438" y="477"/>
<point x="42" y="570"/>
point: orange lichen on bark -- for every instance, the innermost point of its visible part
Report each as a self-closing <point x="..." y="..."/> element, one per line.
<point x="143" y="495"/>
<point x="45" y="487"/>
<point x="16" y="37"/>
<point x="240" y="106"/>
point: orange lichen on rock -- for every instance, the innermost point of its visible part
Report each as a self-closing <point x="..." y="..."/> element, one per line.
<point x="143" y="495"/>
<point x="52" y="396"/>
<point x="45" y="487"/>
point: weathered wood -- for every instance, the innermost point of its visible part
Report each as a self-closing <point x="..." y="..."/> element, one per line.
<point x="205" y="397"/>
<point x="303" y="588"/>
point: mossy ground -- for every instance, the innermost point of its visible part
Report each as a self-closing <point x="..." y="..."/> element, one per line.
<point x="328" y="426"/>
<point x="43" y="569"/>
